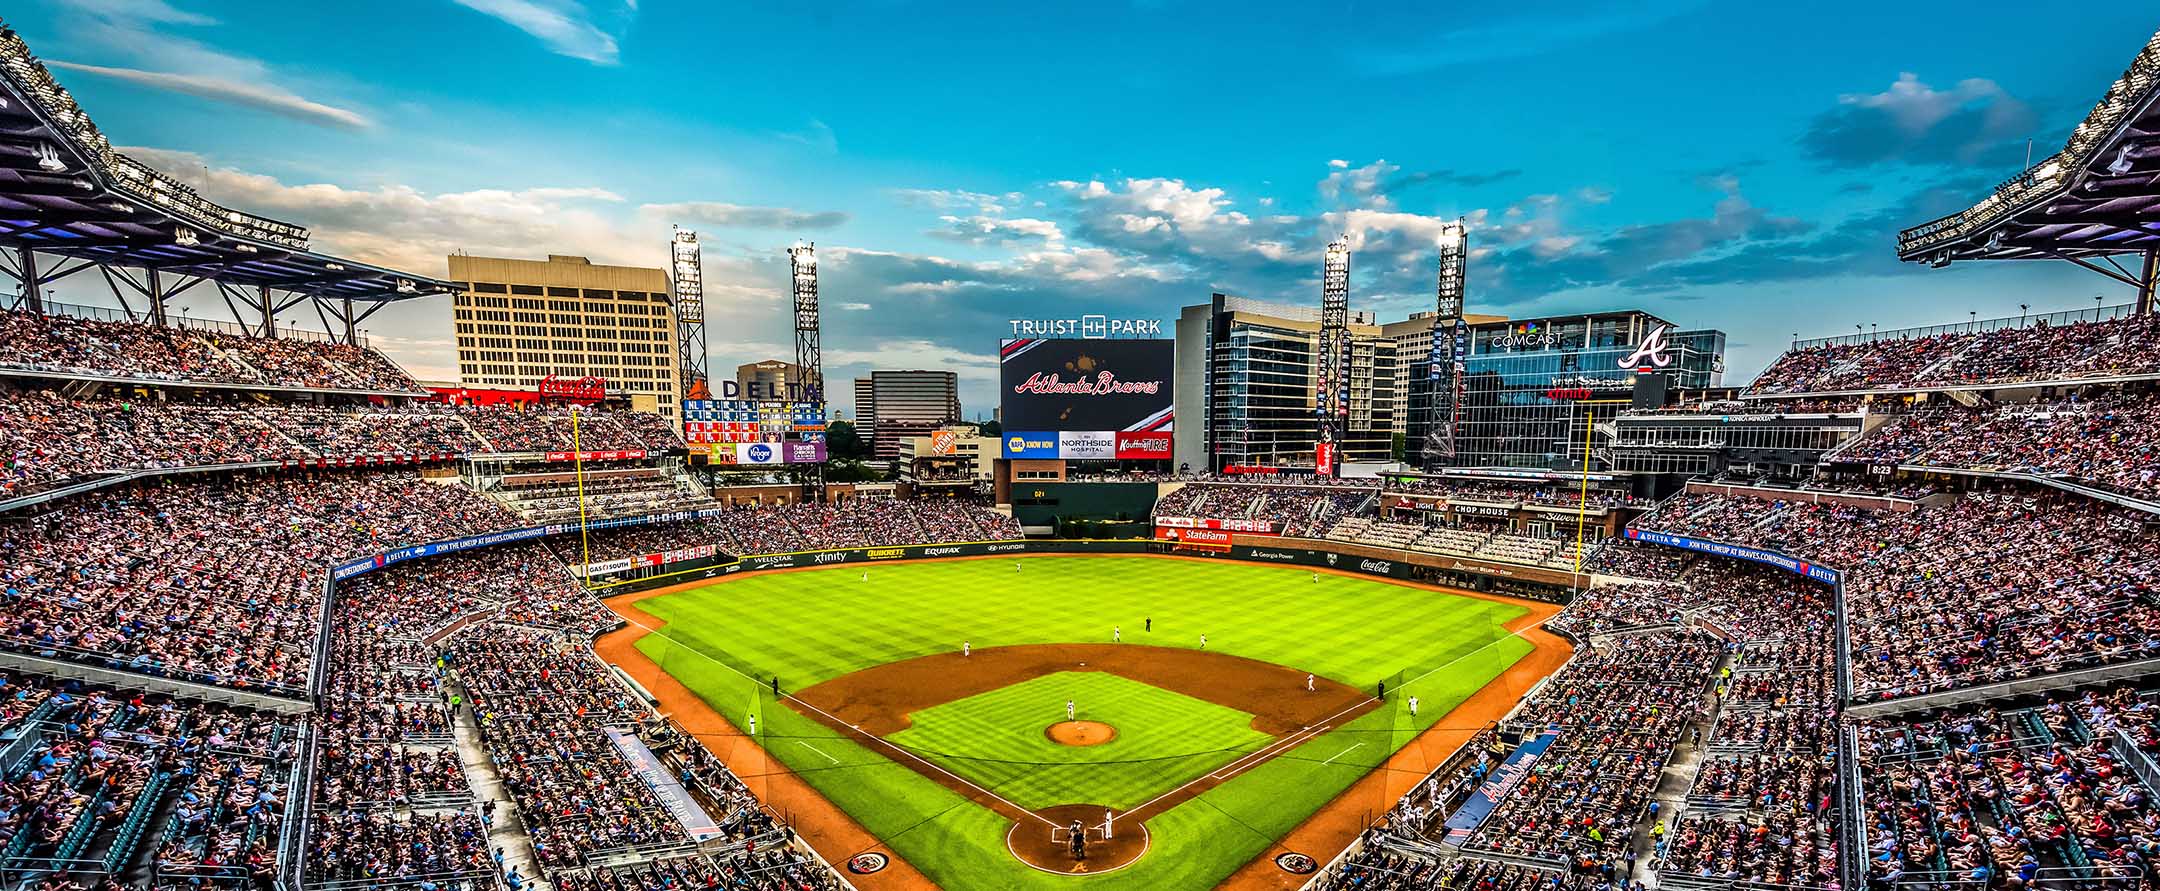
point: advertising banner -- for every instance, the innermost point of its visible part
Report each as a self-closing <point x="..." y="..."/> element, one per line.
<point x="1740" y="552"/>
<point x="1199" y="538"/>
<point x="760" y="453"/>
<point x="1086" y="384"/>
<point x="1031" y="445"/>
<point x="663" y="783"/>
<point x="1496" y="787"/>
<point x="615" y="455"/>
<point x="1261" y="527"/>
<point x="1148" y="446"/>
<point x="1087" y="444"/>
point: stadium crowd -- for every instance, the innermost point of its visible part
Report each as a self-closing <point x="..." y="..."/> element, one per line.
<point x="2112" y="442"/>
<point x="75" y="345"/>
<point x="1294" y="511"/>
<point x="2037" y="352"/>
<point x="1989" y="587"/>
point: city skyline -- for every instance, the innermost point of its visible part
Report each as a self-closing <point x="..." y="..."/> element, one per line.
<point x="1016" y="168"/>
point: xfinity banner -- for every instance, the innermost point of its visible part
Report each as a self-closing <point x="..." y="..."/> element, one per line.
<point x="1739" y="552"/>
<point x="1086" y="385"/>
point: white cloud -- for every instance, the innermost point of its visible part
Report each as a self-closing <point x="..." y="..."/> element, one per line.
<point x="564" y="26"/>
<point x="141" y="30"/>
<point x="259" y="96"/>
<point x="720" y="213"/>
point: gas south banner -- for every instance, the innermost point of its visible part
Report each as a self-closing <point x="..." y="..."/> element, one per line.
<point x="1076" y="396"/>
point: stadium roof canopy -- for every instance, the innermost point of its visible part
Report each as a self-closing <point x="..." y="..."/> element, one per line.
<point x="65" y="192"/>
<point x="2098" y="197"/>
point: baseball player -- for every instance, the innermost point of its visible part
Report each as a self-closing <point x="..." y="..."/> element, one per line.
<point x="1117" y="635"/>
<point x="1016" y="566"/>
<point x="1413" y="706"/>
<point x="1308" y="683"/>
<point x="1316" y="577"/>
<point x="866" y="575"/>
<point x="1203" y="641"/>
<point x="753" y="725"/>
<point x="965" y="648"/>
<point x="1068" y="709"/>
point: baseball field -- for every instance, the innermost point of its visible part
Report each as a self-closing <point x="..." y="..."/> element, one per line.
<point x="1184" y="764"/>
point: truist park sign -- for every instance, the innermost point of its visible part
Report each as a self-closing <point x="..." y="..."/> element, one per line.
<point x="1088" y="327"/>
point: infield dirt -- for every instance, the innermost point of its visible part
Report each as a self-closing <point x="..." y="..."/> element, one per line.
<point x="879" y="699"/>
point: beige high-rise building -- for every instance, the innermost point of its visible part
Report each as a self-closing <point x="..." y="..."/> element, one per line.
<point x="519" y="321"/>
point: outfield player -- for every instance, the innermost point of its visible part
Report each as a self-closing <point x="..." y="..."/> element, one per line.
<point x="1203" y="641"/>
<point x="1068" y="709"/>
<point x="1117" y="635"/>
<point x="1413" y="706"/>
<point x="1316" y="577"/>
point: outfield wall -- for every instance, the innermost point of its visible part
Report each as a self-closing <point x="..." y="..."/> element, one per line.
<point x="1396" y="564"/>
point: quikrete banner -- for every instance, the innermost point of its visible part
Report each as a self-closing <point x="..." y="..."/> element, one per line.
<point x="1793" y="565"/>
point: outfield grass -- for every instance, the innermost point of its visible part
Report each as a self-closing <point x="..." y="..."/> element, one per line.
<point x="727" y="639"/>
<point x="1164" y="739"/>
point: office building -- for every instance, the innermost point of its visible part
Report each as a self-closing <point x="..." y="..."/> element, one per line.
<point x="1532" y="388"/>
<point x="769" y="381"/>
<point x="891" y="406"/>
<point x="518" y="322"/>
<point x="1245" y="375"/>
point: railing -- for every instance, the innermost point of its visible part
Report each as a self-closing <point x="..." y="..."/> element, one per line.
<point x="2027" y="320"/>
<point x="115" y="314"/>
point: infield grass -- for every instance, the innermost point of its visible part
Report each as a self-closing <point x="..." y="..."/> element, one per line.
<point x="1164" y="740"/>
<point x="726" y="640"/>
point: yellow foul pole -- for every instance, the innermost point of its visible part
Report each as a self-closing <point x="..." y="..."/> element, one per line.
<point x="577" y="462"/>
<point x="1582" y="505"/>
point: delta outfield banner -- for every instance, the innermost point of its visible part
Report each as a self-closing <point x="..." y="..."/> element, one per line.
<point x="1793" y="565"/>
<point x="1086" y="399"/>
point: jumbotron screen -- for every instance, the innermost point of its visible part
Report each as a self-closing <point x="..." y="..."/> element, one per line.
<point x="1086" y="399"/>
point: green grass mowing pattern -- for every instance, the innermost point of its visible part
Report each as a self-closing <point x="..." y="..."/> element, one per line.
<point x="1164" y="739"/>
<point x="726" y="639"/>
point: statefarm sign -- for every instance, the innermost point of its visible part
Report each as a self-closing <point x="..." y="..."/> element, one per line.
<point x="1258" y="527"/>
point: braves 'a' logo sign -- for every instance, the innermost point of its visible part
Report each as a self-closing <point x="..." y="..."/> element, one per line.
<point x="1653" y="352"/>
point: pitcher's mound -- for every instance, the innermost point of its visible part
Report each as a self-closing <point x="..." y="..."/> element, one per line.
<point x="1080" y="733"/>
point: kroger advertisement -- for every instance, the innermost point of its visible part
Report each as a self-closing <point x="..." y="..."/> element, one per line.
<point x="1738" y="552"/>
<point x="1089" y="399"/>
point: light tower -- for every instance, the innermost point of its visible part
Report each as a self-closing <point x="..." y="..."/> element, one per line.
<point x="1450" y="336"/>
<point x="809" y="352"/>
<point x="689" y="268"/>
<point x="1331" y="394"/>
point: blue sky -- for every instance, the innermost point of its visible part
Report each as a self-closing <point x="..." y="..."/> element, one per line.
<point x="1737" y="165"/>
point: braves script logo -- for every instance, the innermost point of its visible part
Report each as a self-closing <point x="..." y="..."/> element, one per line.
<point x="1104" y="384"/>
<point x="1652" y="352"/>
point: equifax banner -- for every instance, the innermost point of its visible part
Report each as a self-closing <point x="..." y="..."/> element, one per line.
<point x="1739" y="552"/>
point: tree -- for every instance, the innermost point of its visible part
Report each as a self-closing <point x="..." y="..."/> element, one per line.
<point x="843" y="443"/>
<point x="993" y="429"/>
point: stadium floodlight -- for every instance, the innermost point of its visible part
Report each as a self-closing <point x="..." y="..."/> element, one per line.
<point x="1451" y="236"/>
<point x="48" y="158"/>
<point x="185" y="237"/>
<point x="2122" y="163"/>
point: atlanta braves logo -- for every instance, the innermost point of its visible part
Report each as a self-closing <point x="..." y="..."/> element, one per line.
<point x="1652" y="351"/>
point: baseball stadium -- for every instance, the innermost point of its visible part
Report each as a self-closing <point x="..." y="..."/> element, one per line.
<point x="1250" y="594"/>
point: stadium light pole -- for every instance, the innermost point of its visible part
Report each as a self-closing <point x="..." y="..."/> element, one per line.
<point x="1331" y="395"/>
